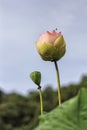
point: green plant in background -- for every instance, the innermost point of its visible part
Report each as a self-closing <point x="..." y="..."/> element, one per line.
<point x="19" y="112"/>
<point x="71" y="115"/>
<point x="52" y="47"/>
<point x="36" y="78"/>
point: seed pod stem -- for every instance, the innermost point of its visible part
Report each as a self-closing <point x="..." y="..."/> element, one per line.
<point x="41" y="100"/>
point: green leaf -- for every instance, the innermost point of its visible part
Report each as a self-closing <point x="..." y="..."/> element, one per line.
<point x="36" y="77"/>
<point x="71" y="115"/>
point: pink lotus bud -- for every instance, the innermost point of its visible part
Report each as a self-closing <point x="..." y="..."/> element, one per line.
<point x="51" y="46"/>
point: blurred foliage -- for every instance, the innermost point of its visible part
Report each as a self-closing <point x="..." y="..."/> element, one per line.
<point x="71" y="115"/>
<point x="18" y="112"/>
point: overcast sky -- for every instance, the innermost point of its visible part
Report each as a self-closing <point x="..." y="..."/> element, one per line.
<point x="21" y="23"/>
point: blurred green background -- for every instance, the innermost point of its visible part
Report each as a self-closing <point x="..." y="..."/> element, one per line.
<point x="18" y="112"/>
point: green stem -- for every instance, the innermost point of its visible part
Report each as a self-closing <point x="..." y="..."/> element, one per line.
<point x="58" y="82"/>
<point x="41" y="100"/>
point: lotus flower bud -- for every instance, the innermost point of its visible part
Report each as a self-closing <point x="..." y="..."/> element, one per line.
<point x="51" y="46"/>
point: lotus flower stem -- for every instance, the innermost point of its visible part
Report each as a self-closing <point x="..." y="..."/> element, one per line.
<point x="41" y="100"/>
<point x="58" y="82"/>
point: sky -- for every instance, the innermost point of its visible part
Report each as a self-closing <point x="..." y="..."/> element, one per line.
<point x="21" y="23"/>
